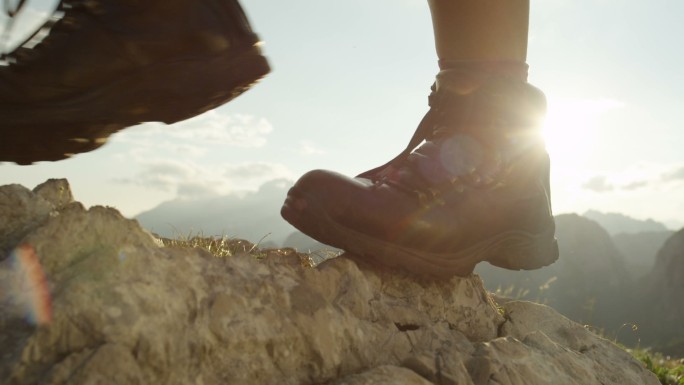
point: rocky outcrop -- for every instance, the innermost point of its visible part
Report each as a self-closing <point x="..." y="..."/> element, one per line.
<point x="22" y="210"/>
<point x="127" y="311"/>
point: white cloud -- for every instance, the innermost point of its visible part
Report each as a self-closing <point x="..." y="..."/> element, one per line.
<point x="598" y="184"/>
<point x="211" y="128"/>
<point x="193" y="159"/>
<point x="256" y="170"/>
<point x="192" y="180"/>
<point x="309" y="148"/>
<point x="674" y="175"/>
<point x="228" y="130"/>
<point x="641" y="176"/>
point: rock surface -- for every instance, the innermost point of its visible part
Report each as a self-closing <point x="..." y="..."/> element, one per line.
<point x="127" y="311"/>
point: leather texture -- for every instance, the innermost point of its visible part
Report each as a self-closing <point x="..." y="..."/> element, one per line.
<point x="478" y="185"/>
<point x="106" y="65"/>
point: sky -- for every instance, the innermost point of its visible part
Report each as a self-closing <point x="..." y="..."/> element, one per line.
<point x="349" y="85"/>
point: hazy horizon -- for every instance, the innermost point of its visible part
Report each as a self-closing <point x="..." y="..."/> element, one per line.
<point x="350" y="85"/>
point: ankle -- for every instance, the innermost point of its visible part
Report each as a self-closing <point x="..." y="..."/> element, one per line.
<point x="488" y="102"/>
<point x="481" y="70"/>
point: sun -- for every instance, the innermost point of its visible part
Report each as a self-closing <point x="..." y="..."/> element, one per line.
<point x="568" y="131"/>
<point x="571" y="130"/>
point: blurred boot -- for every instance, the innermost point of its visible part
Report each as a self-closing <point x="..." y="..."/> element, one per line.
<point x="476" y="189"/>
<point x="110" y="64"/>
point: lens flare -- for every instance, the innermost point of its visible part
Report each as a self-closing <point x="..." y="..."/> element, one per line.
<point x="31" y="286"/>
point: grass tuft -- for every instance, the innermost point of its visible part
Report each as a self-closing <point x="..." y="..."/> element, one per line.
<point x="669" y="370"/>
<point x="223" y="247"/>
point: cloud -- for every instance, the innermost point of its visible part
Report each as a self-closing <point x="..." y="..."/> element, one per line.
<point x="213" y="128"/>
<point x="238" y="130"/>
<point x="598" y="184"/>
<point x="674" y="175"/>
<point x="641" y="176"/>
<point x="192" y="159"/>
<point x="255" y="170"/>
<point x="190" y="180"/>
<point x="309" y="148"/>
<point x="162" y="174"/>
<point x="635" y="185"/>
<point x="194" y="190"/>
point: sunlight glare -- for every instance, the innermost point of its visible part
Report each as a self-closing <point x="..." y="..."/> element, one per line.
<point x="570" y="130"/>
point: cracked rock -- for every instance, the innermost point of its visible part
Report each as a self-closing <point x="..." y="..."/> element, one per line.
<point x="127" y="311"/>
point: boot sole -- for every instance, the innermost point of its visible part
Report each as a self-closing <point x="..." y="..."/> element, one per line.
<point x="514" y="250"/>
<point x="56" y="131"/>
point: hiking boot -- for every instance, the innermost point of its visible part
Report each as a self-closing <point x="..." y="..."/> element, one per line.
<point x="477" y="189"/>
<point x="110" y="64"/>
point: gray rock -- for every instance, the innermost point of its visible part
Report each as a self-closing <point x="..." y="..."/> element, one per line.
<point x="127" y="311"/>
<point x="55" y="191"/>
<point x="569" y="348"/>
<point x="21" y="211"/>
<point x="384" y="375"/>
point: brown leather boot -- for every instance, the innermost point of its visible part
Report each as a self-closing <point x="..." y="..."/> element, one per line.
<point x="109" y="64"/>
<point x="477" y="189"/>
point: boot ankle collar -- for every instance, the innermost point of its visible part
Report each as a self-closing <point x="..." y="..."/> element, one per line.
<point x="487" y="68"/>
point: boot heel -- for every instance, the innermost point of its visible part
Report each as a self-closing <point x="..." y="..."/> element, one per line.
<point x="524" y="251"/>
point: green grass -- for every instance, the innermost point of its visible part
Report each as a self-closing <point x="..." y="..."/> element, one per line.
<point x="217" y="246"/>
<point x="223" y="247"/>
<point x="669" y="370"/>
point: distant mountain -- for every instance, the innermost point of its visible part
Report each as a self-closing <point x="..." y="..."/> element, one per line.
<point x="640" y="249"/>
<point x="254" y="216"/>
<point x="304" y="243"/>
<point x="669" y="266"/>
<point x="589" y="283"/>
<point x="665" y="288"/>
<point x="616" y="223"/>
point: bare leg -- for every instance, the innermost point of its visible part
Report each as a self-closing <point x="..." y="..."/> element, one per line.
<point x="490" y="30"/>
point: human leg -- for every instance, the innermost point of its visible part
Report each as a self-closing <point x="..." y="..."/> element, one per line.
<point x="492" y="30"/>
<point x="473" y="183"/>
<point x="109" y="64"/>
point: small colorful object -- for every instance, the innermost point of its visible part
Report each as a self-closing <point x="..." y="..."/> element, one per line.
<point x="31" y="289"/>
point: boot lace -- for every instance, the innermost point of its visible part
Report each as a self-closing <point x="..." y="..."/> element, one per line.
<point x="443" y="157"/>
